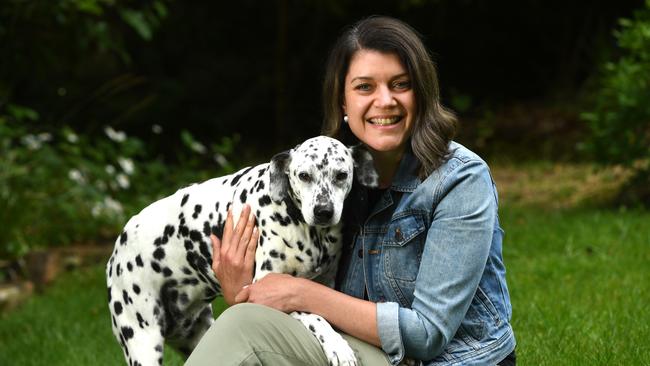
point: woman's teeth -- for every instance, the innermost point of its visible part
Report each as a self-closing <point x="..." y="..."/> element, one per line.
<point x="384" y="121"/>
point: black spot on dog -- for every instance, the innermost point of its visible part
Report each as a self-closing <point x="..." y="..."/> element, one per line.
<point x="238" y="176"/>
<point x="118" y="270"/>
<point x="190" y="281"/>
<point x="167" y="272"/>
<point x="159" y="253"/>
<point x="184" y="200"/>
<point x="169" y="230"/>
<point x="129" y="266"/>
<point x="138" y="261"/>
<point x="126" y="298"/>
<point x="197" y="211"/>
<point x="195" y="235"/>
<point x="264" y="200"/>
<point x="267" y="265"/>
<point x="243" y="196"/>
<point x="117" y="307"/>
<point x="123" y="238"/>
<point x="127" y="333"/>
<point x="189" y="245"/>
<point x="299" y="258"/>
<point x="136" y="289"/>
<point x="187" y="271"/>
<point x="156" y="267"/>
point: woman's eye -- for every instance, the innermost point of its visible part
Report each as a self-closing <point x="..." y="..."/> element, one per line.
<point x="304" y="177"/>
<point x="403" y="84"/>
<point x="342" y="176"/>
<point x="362" y="87"/>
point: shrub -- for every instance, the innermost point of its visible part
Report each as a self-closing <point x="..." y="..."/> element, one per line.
<point x="58" y="187"/>
<point x="619" y="120"/>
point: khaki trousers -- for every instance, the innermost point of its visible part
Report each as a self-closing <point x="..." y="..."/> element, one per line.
<point x="249" y="334"/>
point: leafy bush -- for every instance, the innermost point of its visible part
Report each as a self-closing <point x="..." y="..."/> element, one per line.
<point x="58" y="187"/>
<point x="619" y="120"/>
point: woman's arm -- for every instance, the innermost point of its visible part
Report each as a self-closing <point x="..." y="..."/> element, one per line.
<point x="353" y="316"/>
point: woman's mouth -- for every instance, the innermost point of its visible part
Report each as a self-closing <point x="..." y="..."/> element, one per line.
<point x="384" y="121"/>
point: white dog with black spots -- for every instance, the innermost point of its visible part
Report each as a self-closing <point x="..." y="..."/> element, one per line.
<point x="159" y="277"/>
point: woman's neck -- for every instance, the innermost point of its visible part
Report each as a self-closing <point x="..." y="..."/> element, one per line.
<point x="386" y="163"/>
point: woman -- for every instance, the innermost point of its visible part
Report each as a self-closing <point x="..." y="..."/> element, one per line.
<point x="422" y="276"/>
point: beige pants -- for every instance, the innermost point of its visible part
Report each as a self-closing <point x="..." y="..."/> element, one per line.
<point x="249" y="334"/>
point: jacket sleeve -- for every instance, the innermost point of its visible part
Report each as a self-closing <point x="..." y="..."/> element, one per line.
<point x="453" y="260"/>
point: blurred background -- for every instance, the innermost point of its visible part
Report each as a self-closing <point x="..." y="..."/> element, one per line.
<point x="106" y="105"/>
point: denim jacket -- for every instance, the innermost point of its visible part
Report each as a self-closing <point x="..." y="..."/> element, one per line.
<point x="429" y="254"/>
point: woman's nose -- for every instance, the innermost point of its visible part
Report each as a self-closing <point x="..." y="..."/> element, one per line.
<point x="385" y="97"/>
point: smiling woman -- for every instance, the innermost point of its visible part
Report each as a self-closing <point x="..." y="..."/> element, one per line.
<point x="379" y="102"/>
<point x="422" y="279"/>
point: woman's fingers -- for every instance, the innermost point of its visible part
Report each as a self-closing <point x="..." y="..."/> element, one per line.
<point x="216" y="252"/>
<point x="239" y="229"/>
<point x="251" y="246"/>
<point x="246" y="235"/>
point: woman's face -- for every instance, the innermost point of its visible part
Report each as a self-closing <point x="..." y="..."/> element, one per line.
<point x="379" y="100"/>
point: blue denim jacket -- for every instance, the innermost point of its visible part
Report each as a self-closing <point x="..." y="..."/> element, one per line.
<point x="429" y="254"/>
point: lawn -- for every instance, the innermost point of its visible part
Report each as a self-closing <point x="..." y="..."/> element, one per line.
<point x="578" y="279"/>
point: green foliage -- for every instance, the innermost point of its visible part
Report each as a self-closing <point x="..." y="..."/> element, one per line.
<point x="619" y="120"/>
<point x="58" y="187"/>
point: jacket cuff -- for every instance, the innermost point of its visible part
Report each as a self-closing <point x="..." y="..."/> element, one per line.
<point x="389" y="332"/>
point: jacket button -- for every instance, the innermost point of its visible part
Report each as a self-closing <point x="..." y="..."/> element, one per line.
<point x="398" y="234"/>
<point x="360" y="253"/>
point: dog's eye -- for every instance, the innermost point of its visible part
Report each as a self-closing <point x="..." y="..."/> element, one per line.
<point x="342" y="176"/>
<point x="304" y="177"/>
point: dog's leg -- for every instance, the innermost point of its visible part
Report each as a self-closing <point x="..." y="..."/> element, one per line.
<point x="141" y="346"/>
<point x="192" y="330"/>
<point x="337" y="350"/>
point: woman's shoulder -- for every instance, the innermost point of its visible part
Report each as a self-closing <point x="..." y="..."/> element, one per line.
<point x="462" y="153"/>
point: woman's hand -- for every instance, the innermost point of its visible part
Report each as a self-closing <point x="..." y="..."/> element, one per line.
<point x="279" y="291"/>
<point x="234" y="255"/>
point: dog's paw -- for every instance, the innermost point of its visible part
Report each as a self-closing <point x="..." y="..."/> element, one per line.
<point x="339" y="352"/>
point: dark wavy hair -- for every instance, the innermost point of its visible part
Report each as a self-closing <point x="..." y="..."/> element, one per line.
<point x="434" y="125"/>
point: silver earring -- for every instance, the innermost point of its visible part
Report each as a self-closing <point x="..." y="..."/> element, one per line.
<point x="346" y="119"/>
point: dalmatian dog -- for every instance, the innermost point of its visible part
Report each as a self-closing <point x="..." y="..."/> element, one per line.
<point x="159" y="276"/>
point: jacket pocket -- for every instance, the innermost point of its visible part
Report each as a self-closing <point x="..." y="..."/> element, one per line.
<point x="403" y="244"/>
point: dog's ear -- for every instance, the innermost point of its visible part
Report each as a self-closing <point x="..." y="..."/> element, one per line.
<point x="364" y="167"/>
<point x="279" y="180"/>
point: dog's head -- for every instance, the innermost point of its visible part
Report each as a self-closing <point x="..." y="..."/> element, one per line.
<point x="317" y="176"/>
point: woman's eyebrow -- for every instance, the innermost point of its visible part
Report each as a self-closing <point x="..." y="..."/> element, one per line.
<point x="364" y="78"/>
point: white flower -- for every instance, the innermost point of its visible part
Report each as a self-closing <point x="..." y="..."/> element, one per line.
<point x="117" y="136"/>
<point x="32" y="142"/>
<point x="220" y="159"/>
<point x="123" y="181"/>
<point x="76" y="176"/>
<point x="72" y="137"/>
<point x="108" y="206"/>
<point x="109" y="169"/>
<point x="126" y="164"/>
<point x="198" y="147"/>
<point x="45" y="136"/>
<point x="157" y="129"/>
<point x="113" y="206"/>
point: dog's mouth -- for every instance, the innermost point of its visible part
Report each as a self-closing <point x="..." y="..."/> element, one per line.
<point x="385" y="120"/>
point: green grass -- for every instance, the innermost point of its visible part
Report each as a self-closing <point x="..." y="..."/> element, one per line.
<point x="579" y="281"/>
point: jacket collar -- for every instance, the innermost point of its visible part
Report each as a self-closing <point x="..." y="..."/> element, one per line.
<point x="406" y="179"/>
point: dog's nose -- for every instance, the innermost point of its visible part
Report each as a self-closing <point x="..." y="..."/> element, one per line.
<point x="323" y="213"/>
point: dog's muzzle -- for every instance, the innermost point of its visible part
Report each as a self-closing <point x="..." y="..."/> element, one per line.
<point x="323" y="214"/>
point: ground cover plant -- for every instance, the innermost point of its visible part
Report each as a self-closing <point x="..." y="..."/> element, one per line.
<point x="577" y="277"/>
